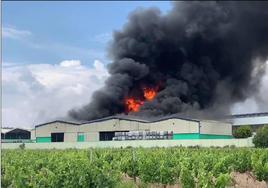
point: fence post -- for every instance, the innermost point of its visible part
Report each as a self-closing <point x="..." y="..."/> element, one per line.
<point x="133" y="164"/>
<point x="91" y="157"/>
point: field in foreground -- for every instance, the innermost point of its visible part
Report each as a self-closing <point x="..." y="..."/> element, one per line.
<point x="157" y="167"/>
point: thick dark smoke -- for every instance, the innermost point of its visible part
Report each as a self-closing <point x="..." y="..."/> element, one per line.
<point x="201" y="54"/>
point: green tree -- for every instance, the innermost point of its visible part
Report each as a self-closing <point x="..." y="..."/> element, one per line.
<point x="243" y="132"/>
<point x="261" y="137"/>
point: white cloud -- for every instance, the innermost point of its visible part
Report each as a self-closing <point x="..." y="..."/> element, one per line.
<point x="70" y="63"/>
<point x="37" y="93"/>
<point x="13" y="33"/>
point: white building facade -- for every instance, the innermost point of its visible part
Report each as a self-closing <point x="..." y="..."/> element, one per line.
<point x="107" y="128"/>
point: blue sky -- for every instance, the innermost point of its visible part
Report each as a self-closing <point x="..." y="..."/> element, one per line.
<point x="54" y="55"/>
<point x="54" y="31"/>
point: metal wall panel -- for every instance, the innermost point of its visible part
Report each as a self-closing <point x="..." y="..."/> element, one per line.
<point x="46" y="130"/>
<point x="91" y="136"/>
<point x="70" y="137"/>
<point x="175" y="125"/>
<point x="215" y="127"/>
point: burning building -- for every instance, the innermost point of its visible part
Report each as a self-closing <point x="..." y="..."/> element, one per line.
<point x="194" y="61"/>
<point x="130" y="128"/>
<point x="174" y="127"/>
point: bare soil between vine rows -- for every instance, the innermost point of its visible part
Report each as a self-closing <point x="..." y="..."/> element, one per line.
<point x="239" y="180"/>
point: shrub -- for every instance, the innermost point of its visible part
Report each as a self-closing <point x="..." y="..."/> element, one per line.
<point x="243" y="132"/>
<point x="22" y="146"/>
<point x="261" y="137"/>
<point x="186" y="178"/>
<point x="223" y="180"/>
<point x="260" y="165"/>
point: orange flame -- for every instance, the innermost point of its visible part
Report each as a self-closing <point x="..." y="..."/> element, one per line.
<point x="133" y="105"/>
<point x="149" y="93"/>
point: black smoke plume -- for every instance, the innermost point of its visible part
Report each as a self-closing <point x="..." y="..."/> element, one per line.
<point x="203" y="55"/>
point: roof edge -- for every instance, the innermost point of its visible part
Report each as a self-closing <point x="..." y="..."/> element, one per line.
<point x="119" y="118"/>
<point x="57" y="121"/>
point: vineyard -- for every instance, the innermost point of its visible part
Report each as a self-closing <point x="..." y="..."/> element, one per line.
<point x="188" y="167"/>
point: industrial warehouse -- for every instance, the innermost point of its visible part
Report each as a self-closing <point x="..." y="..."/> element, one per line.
<point x="118" y="128"/>
<point x="122" y="128"/>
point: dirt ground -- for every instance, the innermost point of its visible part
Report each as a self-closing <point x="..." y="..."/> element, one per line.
<point x="239" y="180"/>
<point x="246" y="180"/>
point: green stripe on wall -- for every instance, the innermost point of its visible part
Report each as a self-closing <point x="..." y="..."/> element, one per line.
<point x="212" y="136"/>
<point x="187" y="136"/>
<point x="43" y="139"/>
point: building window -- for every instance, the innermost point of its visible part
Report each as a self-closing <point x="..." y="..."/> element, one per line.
<point x="57" y="137"/>
<point x="105" y="136"/>
<point x="80" y="137"/>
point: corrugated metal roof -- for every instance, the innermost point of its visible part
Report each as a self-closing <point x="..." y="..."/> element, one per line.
<point x="249" y="115"/>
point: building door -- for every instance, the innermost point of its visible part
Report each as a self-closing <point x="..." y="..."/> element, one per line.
<point x="80" y="137"/>
<point x="104" y="136"/>
<point x="57" y="137"/>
